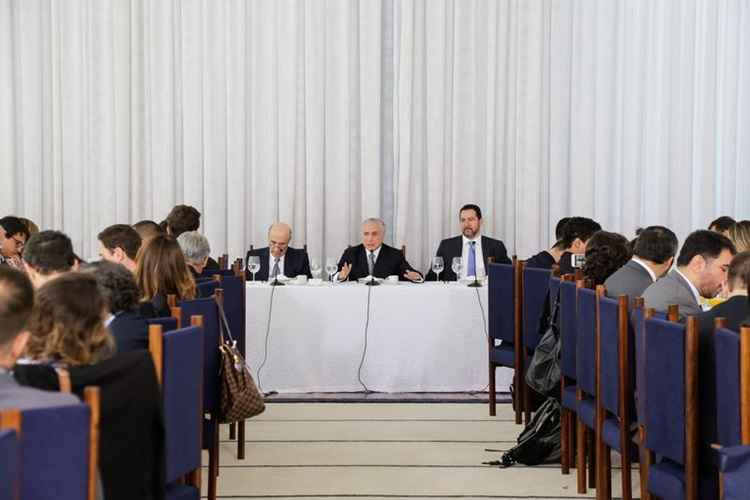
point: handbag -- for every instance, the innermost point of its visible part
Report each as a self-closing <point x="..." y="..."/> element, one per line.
<point x="543" y="373"/>
<point x="240" y="397"/>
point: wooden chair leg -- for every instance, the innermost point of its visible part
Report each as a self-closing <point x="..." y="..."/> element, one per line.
<point x="213" y="462"/>
<point x="581" y="455"/>
<point x="572" y="439"/>
<point x="627" y="464"/>
<point x="591" y="448"/>
<point x="604" y="482"/>
<point x="241" y="440"/>
<point x="232" y="431"/>
<point x="646" y="457"/>
<point x="564" y="441"/>
<point x="493" y="394"/>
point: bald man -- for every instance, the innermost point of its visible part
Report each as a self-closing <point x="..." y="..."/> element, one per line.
<point x="278" y="258"/>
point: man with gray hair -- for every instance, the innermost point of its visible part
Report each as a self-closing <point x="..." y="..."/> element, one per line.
<point x="278" y="258"/>
<point x="374" y="258"/>
<point x="196" y="249"/>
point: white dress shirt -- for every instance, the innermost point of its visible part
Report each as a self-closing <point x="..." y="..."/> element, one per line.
<point x="271" y="260"/>
<point x="465" y="256"/>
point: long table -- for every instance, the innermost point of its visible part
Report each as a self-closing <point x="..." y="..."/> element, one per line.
<point x="428" y="337"/>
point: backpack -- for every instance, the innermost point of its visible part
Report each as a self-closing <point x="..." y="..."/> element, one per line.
<point x="543" y="373"/>
<point x="539" y="442"/>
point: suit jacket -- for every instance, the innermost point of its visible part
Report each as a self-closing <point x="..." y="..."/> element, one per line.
<point x="130" y="331"/>
<point x="672" y="289"/>
<point x="13" y="395"/>
<point x="453" y="247"/>
<point x="542" y="260"/>
<point x="631" y="280"/>
<point x="735" y="309"/>
<point x="390" y="261"/>
<point x="296" y="262"/>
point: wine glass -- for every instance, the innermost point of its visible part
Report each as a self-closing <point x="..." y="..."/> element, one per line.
<point x="437" y="266"/>
<point x="253" y="264"/>
<point x="457" y="265"/>
<point x="331" y="268"/>
<point x="315" y="268"/>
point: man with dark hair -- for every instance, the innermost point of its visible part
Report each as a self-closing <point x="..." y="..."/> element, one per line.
<point x="183" y="218"/>
<point x="653" y="254"/>
<point x="13" y="236"/>
<point x="120" y="244"/>
<point x="572" y="234"/>
<point x="721" y="225"/>
<point x="147" y="229"/>
<point x="474" y="249"/>
<point x="701" y="271"/>
<point x="16" y="303"/>
<point x="47" y="255"/>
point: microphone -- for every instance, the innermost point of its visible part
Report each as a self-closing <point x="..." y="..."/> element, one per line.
<point x="371" y="281"/>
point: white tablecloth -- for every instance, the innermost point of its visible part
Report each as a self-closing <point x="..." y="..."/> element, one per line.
<point x="421" y="338"/>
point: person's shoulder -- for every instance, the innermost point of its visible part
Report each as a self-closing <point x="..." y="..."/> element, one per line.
<point x="26" y="398"/>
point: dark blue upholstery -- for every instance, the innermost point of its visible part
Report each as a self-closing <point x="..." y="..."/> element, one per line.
<point x="666" y="480"/>
<point x="500" y="302"/>
<point x="503" y="355"/>
<point x="206" y="288"/>
<point x="208" y="309"/>
<point x="9" y="464"/>
<point x="182" y="492"/>
<point x="568" y="328"/>
<point x="609" y="354"/>
<point x="167" y="324"/>
<point x="181" y="388"/>
<point x="665" y="385"/>
<point x="210" y="273"/>
<point x="611" y="433"/>
<point x="587" y="412"/>
<point x="535" y="288"/>
<point x="55" y="453"/>
<point x="586" y="342"/>
<point x="727" y="388"/>
<point x="569" y="398"/>
<point x="554" y="287"/>
<point x="735" y="464"/>
<point x="234" y="308"/>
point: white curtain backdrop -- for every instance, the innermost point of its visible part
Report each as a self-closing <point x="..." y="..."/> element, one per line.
<point x="324" y="112"/>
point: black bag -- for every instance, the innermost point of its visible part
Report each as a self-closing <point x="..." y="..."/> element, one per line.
<point x="543" y="373"/>
<point x="539" y="442"/>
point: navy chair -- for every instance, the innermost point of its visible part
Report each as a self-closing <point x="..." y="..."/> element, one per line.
<point x="167" y="323"/>
<point x="586" y="385"/>
<point x="535" y="287"/>
<point x="178" y="358"/>
<point x="615" y="394"/>
<point x="67" y="470"/>
<point x="732" y="386"/>
<point x="504" y="310"/>
<point x="207" y="287"/>
<point x="670" y="430"/>
<point x="734" y="464"/>
<point x="568" y="332"/>
<point x="9" y="465"/>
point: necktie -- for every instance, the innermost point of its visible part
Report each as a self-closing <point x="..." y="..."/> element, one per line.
<point x="371" y="263"/>
<point x="471" y="269"/>
<point x="275" y="270"/>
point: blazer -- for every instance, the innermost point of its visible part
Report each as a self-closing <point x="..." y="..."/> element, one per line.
<point x="130" y="331"/>
<point x="296" y="262"/>
<point x="542" y="260"/>
<point x="390" y="261"/>
<point x="672" y="289"/>
<point x="453" y="247"/>
<point x="735" y="310"/>
<point x="631" y="280"/>
<point x="13" y="395"/>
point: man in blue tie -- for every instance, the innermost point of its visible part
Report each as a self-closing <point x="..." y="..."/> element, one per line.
<point x="474" y="249"/>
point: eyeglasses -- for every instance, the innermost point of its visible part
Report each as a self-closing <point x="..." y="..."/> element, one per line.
<point x="20" y="242"/>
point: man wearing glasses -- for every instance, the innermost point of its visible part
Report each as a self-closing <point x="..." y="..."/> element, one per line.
<point x="13" y="236"/>
<point x="278" y="258"/>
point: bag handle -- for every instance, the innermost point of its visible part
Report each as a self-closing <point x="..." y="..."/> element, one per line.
<point x="224" y="322"/>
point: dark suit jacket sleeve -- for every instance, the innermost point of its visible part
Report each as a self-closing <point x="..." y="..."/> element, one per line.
<point x="304" y="264"/>
<point x="405" y="266"/>
<point x="500" y="254"/>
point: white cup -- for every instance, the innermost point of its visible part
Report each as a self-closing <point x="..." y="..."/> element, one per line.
<point x="301" y="279"/>
<point x="393" y="278"/>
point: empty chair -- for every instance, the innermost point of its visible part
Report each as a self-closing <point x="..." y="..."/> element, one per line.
<point x="568" y="333"/>
<point x="207" y="287"/>
<point x="535" y="288"/>
<point x="586" y="384"/>
<point x="10" y="457"/>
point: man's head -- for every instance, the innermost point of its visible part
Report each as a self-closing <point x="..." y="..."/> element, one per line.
<point x="116" y="284"/>
<point x="196" y="249"/>
<point x="559" y="228"/>
<point x="47" y="254"/>
<point x="279" y="236"/>
<point x="704" y="259"/>
<point x="738" y="275"/>
<point x="721" y="225"/>
<point x="657" y="245"/>
<point x="16" y="304"/>
<point x="147" y="229"/>
<point x="183" y="218"/>
<point x="470" y="217"/>
<point x="373" y="232"/>
<point x="120" y="244"/>
<point x="576" y="233"/>
<point x="13" y="236"/>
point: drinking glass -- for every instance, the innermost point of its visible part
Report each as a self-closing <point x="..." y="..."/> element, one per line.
<point x="315" y="268"/>
<point x="253" y="264"/>
<point x="457" y="265"/>
<point x="437" y="266"/>
<point x="331" y="268"/>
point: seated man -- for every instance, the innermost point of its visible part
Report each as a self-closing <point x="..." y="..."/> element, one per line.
<point x="572" y="236"/>
<point x="474" y="249"/>
<point x="722" y="225"/>
<point x="278" y="258"/>
<point x="701" y="270"/>
<point x="120" y="244"/>
<point x="736" y="308"/>
<point x="196" y="249"/>
<point x="653" y="254"/>
<point x="47" y="255"/>
<point x="374" y="258"/>
<point x="16" y="303"/>
<point x="147" y="229"/>
<point x="13" y="236"/>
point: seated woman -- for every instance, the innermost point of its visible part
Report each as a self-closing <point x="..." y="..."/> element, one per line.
<point x="605" y="253"/>
<point x="121" y="294"/>
<point x="161" y="271"/>
<point x="196" y="249"/>
<point x="739" y="233"/>
<point x="67" y="323"/>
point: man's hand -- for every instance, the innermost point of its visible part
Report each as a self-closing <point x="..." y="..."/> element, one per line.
<point x="345" y="270"/>
<point x="413" y="276"/>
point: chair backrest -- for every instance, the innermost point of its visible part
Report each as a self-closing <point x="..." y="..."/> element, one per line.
<point x="10" y="458"/>
<point x="535" y="287"/>
<point x="207" y="287"/>
<point x="568" y="326"/>
<point x="501" y="301"/>
<point x="732" y="379"/>
<point x="614" y="352"/>
<point x="735" y="467"/>
<point x="234" y="306"/>
<point x="554" y="287"/>
<point x="586" y="341"/>
<point x="58" y="449"/>
<point x="211" y="274"/>
<point x="166" y="323"/>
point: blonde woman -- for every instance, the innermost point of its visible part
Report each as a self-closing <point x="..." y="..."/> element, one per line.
<point x="739" y="233"/>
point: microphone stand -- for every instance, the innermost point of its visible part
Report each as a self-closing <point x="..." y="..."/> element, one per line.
<point x="475" y="283"/>
<point x="372" y="281"/>
<point x="276" y="281"/>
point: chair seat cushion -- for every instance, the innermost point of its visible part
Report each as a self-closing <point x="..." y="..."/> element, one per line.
<point x="587" y="412"/>
<point x="504" y="355"/>
<point x="569" y="398"/>
<point x="611" y="433"/>
<point x="666" y="480"/>
<point x="182" y="492"/>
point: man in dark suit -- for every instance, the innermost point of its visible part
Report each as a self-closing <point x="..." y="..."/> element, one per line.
<point x="374" y="258"/>
<point x="572" y="235"/>
<point x="653" y="254"/>
<point x="736" y="309"/>
<point x="474" y="249"/>
<point x="278" y="258"/>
